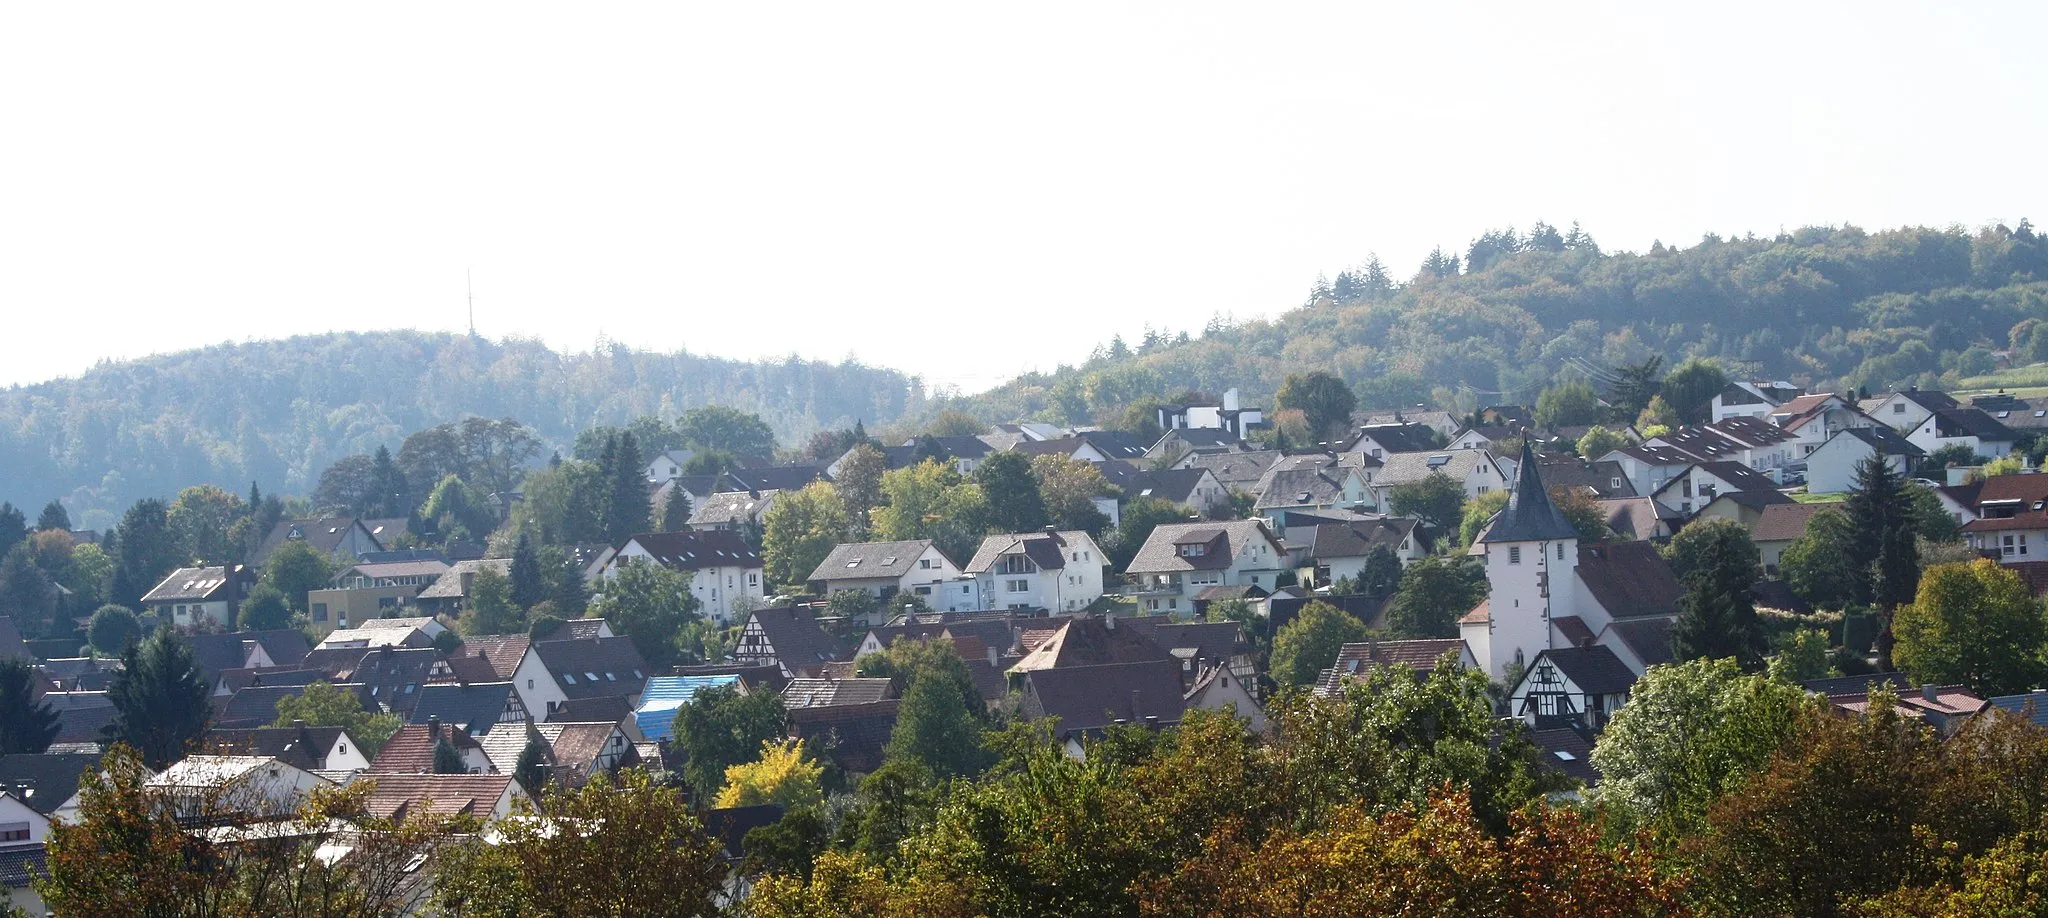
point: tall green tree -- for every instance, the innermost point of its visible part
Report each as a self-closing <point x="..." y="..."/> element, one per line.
<point x="1140" y="517"/>
<point x="675" y="511"/>
<point x="716" y="428"/>
<point x="1435" y="591"/>
<point x="859" y="484"/>
<point x="296" y="569"/>
<point x="1821" y="565"/>
<point x="112" y="629"/>
<point x="1069" y="488"/>
<point x="529" y="582"/>
<point x="627" y="506"/>
<point x="1381" y="575"/>
<point x="27" y="724"/>
<point x="1322" y="397"/>
<point x="1436" y="499"/>
<point x="324" y="704"/>
<point x="720" y="728"/>
<point x="1977" y="624"/>
<point x="1717" y="563"/>
<point x="1568" y="404"/>
<point x="650" y="604"/>
<point x="54" y="517"/>
<point x="799" y="530"/>
<point x="1882" y="510"/>
<point x="1306" y="646"/>
<point x="389" y="494"/>
<point x="26" y="592"/>
<point x="13" y="526"/>
<point x="1014" y="504"/>
<point x="1691" y="387"/>
<point x="265" y="609"/>
<point x="161" y="700"/>
<point x="202" y="519"/>
<point x="930" y="501"/>
<point x="491" y="609"/>
<point x="145" y="550"/>
<point x="936" y="728"/>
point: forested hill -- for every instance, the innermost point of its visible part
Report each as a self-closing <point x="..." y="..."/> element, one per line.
<point x="1825" y="307"/>
<point x="277" y="412"/>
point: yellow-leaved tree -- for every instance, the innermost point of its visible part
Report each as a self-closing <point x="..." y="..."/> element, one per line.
<point x="781" y="775"/>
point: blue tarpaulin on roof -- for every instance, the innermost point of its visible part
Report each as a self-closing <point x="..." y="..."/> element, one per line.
<point x="656" y="715"/>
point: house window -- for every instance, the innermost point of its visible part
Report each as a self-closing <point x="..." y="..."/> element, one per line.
<point x="923" y="591"/>
<point x="319" y="611"/>
<point x="529" y="683"/>
<point x="1614" y="483"/>
<point x="753" y="580"/>
<point x="1898" y="407"/>
<point x="1560" y="551"/>
<point x="1017" y="586"/>
<point x="13" y="832"/>
<point x="1514" y="554"/>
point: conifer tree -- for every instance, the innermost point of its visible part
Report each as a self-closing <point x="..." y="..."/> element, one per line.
<point x="160" y="699"/>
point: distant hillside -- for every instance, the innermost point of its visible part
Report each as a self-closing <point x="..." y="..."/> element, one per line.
<point x="277" y="412"/>
<point x="1826" y="307"/>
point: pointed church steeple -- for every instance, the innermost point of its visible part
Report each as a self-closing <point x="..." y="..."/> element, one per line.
<point x="1529" y="515"/>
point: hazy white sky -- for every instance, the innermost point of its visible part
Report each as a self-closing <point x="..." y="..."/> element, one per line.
<point x="962" y="190"/>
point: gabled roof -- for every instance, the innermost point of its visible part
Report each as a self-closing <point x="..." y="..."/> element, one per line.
<point x="1047" y="550"/>
<point x="301" y="747"/>
<point x="871" y="560"/>
<point x="395" y="794"/>
<point x="577" y="745"/>
<point x="1159" y="554"/>
<point x="504" y="651"/>
<point x="1402" y="468"/>
<point x="193" y="584"/>
<point x="256" y="706"/>
<point x="1212" y="641"/>
<point x="1358" y="539"/>
<point x="1418" y="656"/>
<point x="1629" y="579"/>
<point x="697" y="549"/>
<point x="1754" y="500"/>
<point x="1752" y="431"/>
<point x="796" y="638"/>
<point x="235" y="680"/>
<point x="594" y="668"/>
<point x="1239" y="470"/>
<point x="1606" y="479"/>
<point x="451" y="585"/>
<point x="377" y="570"/>
<point x="1882" y="439"/>
<point x="1594" y="670"/>
<point x="1635" y="517"/>
<point x="323" y="535"/>
<point x="732" y="507"/>
<point x="1970" y="422"/>
<point x="1089" y="641"/>
<point x="1303" y="488"/>
<point x="1176" y="485"/>
<point x="215" y="652"/>
<point x="475" y="707"/>
<point x="1396" y="438"/>
<point x="1086" y="698"/>
<point x="1202" y="438"/>
<point x="811" y="693"/>
<point x="1925" y="398"/>
<point x="1529" y="515"/>
<point x="46" y="780"/>
<point x="1648" y="638"/>
<point x="772" y="478"/>
<point x="1786" y="522"/>
<point x="1798" y="411"/>
<point x="852" y="735"/>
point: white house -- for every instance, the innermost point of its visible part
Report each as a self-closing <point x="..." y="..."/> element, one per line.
<point x="1339" y="550"/>
<point x="1328" y="488"/>
<point x="1812" y="419"/>
<point x="1751" y="399"/>
<point x="1650" y="466"/>
<point x="1546" y="590"/>
<point x="2010" y="515"/>
<point x="1904" y="411"/>
<point x="1383" y="440"/>
<point x="245" y="786"/>
<point x="668" y="466"/>
<point x="1701" y="482"/>
<point x="1229" y="415"/>
<point x="1180" y="560"/>
<point x="1831" y="468"/>
<point x="1969" y="427"/>
<point x="885" y="569"/>
<point x="1755" y="443"/>
<point x="725" y="571"/>
<point x="1478" y="471"/>
<point x="1057" y="571"/>
<point x="195" y="596"/>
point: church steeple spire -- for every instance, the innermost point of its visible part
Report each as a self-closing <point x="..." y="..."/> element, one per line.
<point x="1529" y="515"/>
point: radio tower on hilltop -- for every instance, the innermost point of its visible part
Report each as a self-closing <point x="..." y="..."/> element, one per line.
<point x="470" y="282"/>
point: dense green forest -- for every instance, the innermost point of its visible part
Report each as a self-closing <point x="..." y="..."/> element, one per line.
<point x="279" y="412"/>
<point x="1829" y="307"/>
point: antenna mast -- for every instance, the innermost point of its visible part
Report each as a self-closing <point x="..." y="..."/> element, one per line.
<point x="470" y="282"/>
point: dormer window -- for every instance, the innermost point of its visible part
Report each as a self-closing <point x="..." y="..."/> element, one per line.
<point x="1193" y="551"/>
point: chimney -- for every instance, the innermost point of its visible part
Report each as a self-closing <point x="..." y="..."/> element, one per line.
<point x="433" y="728"/>
<point x="1109" y="621"/>
<point x="1017" y="639"/>
<point x="1372" y="647"/>
<point x="1134" y="705"/>
<point x="993" y="657"/>
<point x="1929" y="693"/>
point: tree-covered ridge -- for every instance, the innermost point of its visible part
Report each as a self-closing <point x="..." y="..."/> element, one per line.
<point x="1830" y="307"/>
<point x="279" y="412"/>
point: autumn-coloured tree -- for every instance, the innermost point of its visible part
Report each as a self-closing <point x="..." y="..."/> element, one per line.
<point x="782" y="775"/>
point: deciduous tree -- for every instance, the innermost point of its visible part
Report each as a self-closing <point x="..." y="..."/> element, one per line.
<point x="1435" y="592"/>
<point x="783" y="775"/>
<point x="1435" y="499"/>
<point x="799" y="530"/>
<point x="721" y="728"/>
<point x="1717" y="563"/>
<point x="1014" y="504"/>
<point x="1323" y="398"/>
<point x="1977" y="624"/>
<point x="1306" y="646"/>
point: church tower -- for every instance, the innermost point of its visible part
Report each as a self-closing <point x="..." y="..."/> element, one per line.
<point x="1531" y="552"/>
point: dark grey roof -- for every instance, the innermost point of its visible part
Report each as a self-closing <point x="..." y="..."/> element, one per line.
<point x="323" y="535"/>
<point x="1399" y="438"/>
<point x="304" y="747"/>
<point x="1629" y="579"/>
<point x="1884" y="440"/>
<point x="256" y="706"/>
<point x="797" y="640"/>
<point x="1357" y="539"/>
<point x="1302" y="488"/>
<point x="870" y="560"/>
<point x="216" y="652"/>
<point x="1176" y="485"/>
<point x="1159" y="554"/>
<point x="1529" y="515"/>
<point x="690" y="550"/>
<point x="22" y="865"/>
<point x="1239" y="470"/>
<point x="12" y="644"/>
<point x="1648" y="638"/>
<point x="615" y="664"/>
<point x="474" y="707"/>
<point x="1606" y="479"/>
<point x="1970" y="422"/>
<point x="1086" y="698"/>
<point x="1595" y="670"/>
<point x="1047" y="550"/>
<point x="771" y="478"/>
<point x="2032" y="705"/>
<point x="49" y="778"/>
<point x="1566" y="751"/>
